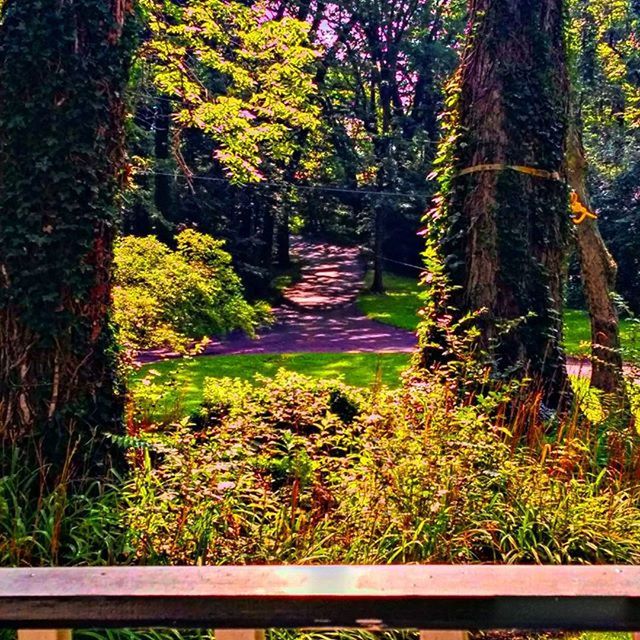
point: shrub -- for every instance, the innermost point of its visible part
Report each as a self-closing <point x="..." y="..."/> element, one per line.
<point x="302" y="471"/>
<point x="165" y="298"/>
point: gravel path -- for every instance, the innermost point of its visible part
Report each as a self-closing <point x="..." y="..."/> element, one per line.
<point x="318" y="315"/>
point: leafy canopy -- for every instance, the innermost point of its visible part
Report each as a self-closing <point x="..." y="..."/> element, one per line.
<point x="244" y="79"/>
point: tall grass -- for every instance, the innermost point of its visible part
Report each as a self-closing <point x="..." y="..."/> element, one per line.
<point x="305" y="472"/>
<point x="64" y="525"/>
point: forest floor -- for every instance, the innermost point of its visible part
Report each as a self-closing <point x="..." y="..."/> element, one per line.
<point x="318" y="314"/>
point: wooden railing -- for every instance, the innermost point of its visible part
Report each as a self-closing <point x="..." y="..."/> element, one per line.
<point x="239" y="602"/>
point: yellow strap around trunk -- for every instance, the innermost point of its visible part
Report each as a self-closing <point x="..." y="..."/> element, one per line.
<point x="497" y="166"/>
<point x="579" y="210"/>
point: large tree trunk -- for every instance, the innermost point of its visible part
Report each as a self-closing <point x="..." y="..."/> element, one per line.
<point x="503" y="233"/>
<point x="598" y="270"/>
<point x="63" y="70"/>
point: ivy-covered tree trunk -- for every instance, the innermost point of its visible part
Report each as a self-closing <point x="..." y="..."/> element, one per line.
<point x="501" y="233"/>
<point x="598" y="269"/>
<point x="63" y="70"/>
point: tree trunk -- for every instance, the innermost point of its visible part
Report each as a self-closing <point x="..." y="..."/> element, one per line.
<point x="162" y="123"/>
<point x="502" y="234"/>
<point x="377" y="285"/>
<point x="284" y="254"/>
<point x="598" y="269"/>
<point x="63" y="70"/>
<point x="268" y="228"/>
<point x="284" y="234"/>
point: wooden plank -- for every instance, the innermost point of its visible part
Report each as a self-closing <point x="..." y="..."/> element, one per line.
<point x="407" y="596"/>
<point x="348" y="581"/>
<point x="240" y="634"/>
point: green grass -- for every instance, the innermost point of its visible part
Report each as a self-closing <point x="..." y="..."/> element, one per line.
<point x="356" y="369"/>
<point x="577" y="335"/>
<point x="399" y="307"/>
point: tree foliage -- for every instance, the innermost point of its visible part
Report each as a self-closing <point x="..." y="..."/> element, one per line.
<point x="170" y="299"/>
<point x="243" y="79"/>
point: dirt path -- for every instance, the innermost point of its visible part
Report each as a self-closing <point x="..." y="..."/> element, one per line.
<point x="581" y="367"/>
<point x="319" y="313"/>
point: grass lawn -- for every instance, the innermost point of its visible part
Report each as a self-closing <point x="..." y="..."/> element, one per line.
<point x="400" y="304"/>
<point x="357" y="369"/>
<point x="397" y="307"/>
<point x="577" y="335"/>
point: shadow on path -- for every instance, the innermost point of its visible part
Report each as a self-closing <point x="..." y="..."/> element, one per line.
<point x="319" y="313"/>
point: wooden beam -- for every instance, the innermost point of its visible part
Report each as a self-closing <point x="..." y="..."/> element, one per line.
<point x="239" y="634"/>
<point x="257" y="597"/>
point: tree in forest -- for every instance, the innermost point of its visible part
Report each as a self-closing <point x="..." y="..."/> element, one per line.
<point x="235" y="99"/>
<point x="598" y="269"/>
<point x="63" y="72"/>
<point x="601" y="56"/>
<point x="390" y="57"/>
<point x="499" y="235"/>
<point x="606" y="51"/>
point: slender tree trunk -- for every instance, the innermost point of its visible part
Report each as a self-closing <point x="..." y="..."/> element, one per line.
<point x="377" y="285"/>
<point x="63" y="70"/>
<point x="383" y="152"/>
<point x="284" y="244"/>
<point x="598" y="270"/>
<point x="501" y="234"/>
<point x="162" y="194"/>
<point x="268" y="228"/>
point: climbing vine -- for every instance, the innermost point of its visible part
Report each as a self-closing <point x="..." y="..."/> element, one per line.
<point x="63" y="71"/>
<point x="496" y="239"/>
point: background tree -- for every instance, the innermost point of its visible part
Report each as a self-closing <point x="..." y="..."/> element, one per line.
<point x="387" y="68"/>
<point x="235" y="103"/>
<point x="606" y="49"/>
<point x="598" y="270"/>
<point x="63" y="71"/>
<point x="503" y="233"/>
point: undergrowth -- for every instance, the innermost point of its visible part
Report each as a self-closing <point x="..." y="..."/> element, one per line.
<point x="300" y="471"/>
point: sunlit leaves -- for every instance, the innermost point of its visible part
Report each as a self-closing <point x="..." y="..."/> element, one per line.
<point x="244" y="79"/>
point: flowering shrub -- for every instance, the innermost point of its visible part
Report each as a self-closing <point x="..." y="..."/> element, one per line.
<point x="165" y="298"/>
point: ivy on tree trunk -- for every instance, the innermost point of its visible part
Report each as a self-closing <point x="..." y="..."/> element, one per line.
<point x="63" y="70"/>
<point x="500" y="237"/>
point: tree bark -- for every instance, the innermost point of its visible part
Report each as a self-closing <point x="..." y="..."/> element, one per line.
<point x="501" y="234"/>
<point x="63" y="70"/>
<point x="268" y="228"/>
<point x="377" y="286"/>
<point x="598" y="269"/>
